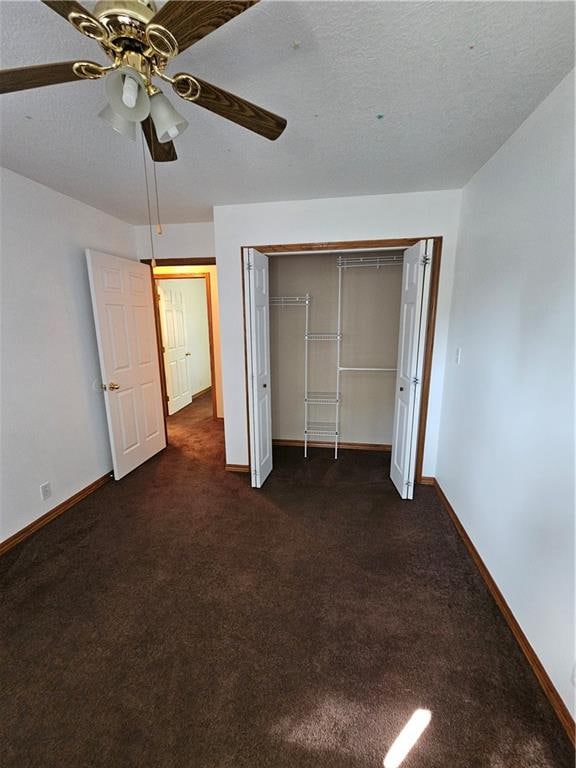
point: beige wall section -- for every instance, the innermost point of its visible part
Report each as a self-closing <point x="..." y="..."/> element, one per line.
<point x="211" y="270"/>
<point x="370" y="320"/>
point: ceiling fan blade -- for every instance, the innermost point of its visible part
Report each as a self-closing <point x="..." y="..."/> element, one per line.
<point x="37" y="76"/>
<point x="191" y="20"/>
<point x="239" y="111"/>
<point x="159" y="152"/>
<point x="65" y="7"/>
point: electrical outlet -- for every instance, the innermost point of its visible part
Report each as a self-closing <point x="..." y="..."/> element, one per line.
<point x="458" y="355"/>
<point x="574" y="675"/>
<point x="45" y="491"/>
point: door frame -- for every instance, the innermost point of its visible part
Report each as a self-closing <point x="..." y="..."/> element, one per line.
<point x="344" y="245"/>
<point x="184" y="276"/>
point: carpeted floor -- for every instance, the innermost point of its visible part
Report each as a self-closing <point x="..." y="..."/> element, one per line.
<point x="178" y="619"/>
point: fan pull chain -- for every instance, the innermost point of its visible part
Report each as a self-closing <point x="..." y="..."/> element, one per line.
<point x="158" y="222"/>
<point x="153" y="261"/>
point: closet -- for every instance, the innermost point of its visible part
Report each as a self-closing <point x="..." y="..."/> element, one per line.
<point x="335" y="352"/>
<point x="334" y="323"/>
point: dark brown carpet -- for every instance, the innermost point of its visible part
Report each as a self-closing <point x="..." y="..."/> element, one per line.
<point x="178" y="619"/>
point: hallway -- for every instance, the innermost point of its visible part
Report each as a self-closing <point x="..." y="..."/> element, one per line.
<point x="178" y="619"/>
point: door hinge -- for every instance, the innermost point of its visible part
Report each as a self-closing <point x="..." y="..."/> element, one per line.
<point x="249" y="267"/>
<point x="425" y="260"/>
<point x="167" y="399"/>
<point x="415" y="380"/>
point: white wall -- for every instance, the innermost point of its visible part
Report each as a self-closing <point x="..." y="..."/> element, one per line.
<point x="53" y="419"/>
<point x="177" y="241"/>
<point x="506" y="449"/>
<point x="418" y="214"/>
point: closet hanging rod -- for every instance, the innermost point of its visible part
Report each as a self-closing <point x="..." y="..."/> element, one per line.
<point x="377" y="370"/>
<point x="344" y="262"/>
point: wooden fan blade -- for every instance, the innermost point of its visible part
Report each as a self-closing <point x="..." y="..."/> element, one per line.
<point x="37" y="76"/>
<point x="239" y="111"/>
<point x="159" y="152"/>
<point x="65" y="7"/>
<point x="191" y="20"/>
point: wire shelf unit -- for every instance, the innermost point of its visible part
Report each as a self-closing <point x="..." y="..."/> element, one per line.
<point x="323" y="336"/>
<point x="324" y="428"/>
<point x="322" y="398"/>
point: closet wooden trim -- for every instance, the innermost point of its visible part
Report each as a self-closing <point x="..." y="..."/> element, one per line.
<point x="341" y="245"/>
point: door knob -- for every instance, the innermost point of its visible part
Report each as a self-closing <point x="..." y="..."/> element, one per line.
<point x="264" y="385"/>
<point x="188" y="354"/>
<point x="113" y="385"/>
<point x="401" y="389"/>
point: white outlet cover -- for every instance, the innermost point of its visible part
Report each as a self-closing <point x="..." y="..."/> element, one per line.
<point x="45" y="491"/>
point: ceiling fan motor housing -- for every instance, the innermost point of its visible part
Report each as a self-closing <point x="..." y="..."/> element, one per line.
<point x="125" y="22"/>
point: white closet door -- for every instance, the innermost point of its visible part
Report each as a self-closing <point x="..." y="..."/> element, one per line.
<point x="124" y="318"/>
<point x="411" y="342"/>
<point x="258" y="343"/>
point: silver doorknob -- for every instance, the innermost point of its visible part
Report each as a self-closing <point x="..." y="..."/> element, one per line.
<point x="113" y="385"/>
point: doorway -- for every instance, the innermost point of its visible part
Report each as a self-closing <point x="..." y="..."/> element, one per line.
<point x="373" y="390"/>
<point x="188" y="333"/>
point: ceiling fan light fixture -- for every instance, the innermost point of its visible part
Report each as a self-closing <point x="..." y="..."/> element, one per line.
<point x="126" y="94"/>
<point x="118" y="123"/>
<point x="167" y="121"/>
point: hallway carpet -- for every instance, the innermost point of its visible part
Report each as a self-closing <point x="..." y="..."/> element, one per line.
<point x="178" y="619"/>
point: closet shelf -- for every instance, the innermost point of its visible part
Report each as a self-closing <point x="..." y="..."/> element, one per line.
<point x="323" y="336"/>
<point x="322" y="398"/>
<point x="346" y="262"/>
<point x="326" y="428"/>
<point x="289" y="301"/>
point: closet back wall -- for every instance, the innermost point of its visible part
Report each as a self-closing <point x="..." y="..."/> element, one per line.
<point x="370" y="321"/>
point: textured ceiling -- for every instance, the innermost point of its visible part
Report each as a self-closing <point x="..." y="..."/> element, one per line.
<point x="379" y="96"/>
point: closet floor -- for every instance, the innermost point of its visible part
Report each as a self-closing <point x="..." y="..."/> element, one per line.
<point x="178" y="618"/>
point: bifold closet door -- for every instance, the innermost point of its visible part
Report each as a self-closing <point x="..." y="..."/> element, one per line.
<point x="411" y="343"/>
<point x="257" y="321"/>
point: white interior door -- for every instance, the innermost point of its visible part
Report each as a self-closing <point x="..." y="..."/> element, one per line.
<point x="124" y="317"/>
<point x="411" y="342"/>
<point x="176" y="353"/>
<point x="258" y="349"/>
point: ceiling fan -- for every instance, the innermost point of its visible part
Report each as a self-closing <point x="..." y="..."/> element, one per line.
<point x="140" y="41"/>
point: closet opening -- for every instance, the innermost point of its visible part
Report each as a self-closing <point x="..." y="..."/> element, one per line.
<point x="339" y="342"/>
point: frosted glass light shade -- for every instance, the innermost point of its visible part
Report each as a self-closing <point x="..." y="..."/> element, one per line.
<point x="118" y="123"/>
<point x="116" y="93"/>
<point x="167" y="122"/>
